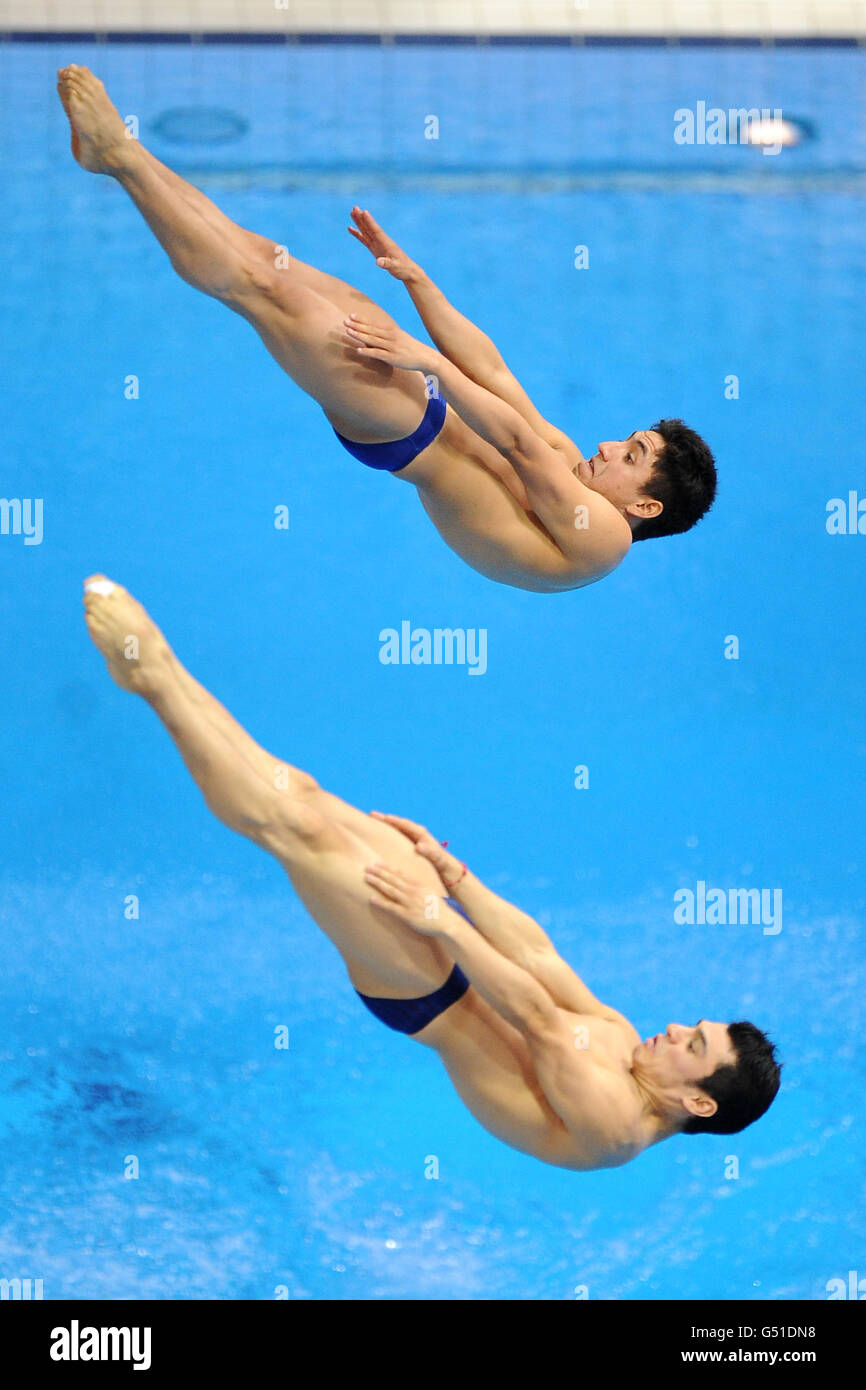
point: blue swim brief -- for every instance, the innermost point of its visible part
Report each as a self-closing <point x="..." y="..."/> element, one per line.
<point x="399" y="453"/>
<point x="411" y="1015"/>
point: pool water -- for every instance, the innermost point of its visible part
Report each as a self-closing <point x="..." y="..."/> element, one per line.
<point x="149" y="955"/>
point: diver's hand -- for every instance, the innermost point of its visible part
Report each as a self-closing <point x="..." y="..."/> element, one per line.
<point x="406" y="899"/>
<point x="448" y="867"/>
<point x="386" y="251"/>
<point x="387" y="344"/>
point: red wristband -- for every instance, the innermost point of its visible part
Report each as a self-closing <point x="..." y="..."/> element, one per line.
<point x="457" y="880"/>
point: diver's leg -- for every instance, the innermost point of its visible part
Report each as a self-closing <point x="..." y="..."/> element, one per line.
<point x="280" y="774"/>
<point x="366" y="400"/>
<point x="324" y="860"/>
<point x="273" y="254"/>
<point x="249" y="244"/>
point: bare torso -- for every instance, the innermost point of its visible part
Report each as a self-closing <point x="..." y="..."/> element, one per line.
<point x="470" y="492"/>
<point x="488" y="1060"/>
<point x="490" y="1066"/>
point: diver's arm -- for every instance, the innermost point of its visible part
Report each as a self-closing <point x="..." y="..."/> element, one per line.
<point x="510" y="930"/>
<point x="587" y="528"/>
<point x="456" y="336"/>
<point x="491" y="418"/>
<point x="512" y="991"/>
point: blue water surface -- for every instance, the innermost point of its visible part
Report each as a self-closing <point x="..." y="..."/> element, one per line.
<point x="153" y="1036"/>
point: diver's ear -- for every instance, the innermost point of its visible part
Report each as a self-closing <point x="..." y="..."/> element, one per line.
<point x="700" y="1105"/>
<point x="645" y="508"/>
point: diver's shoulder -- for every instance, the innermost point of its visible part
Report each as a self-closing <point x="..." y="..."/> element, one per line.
<point x="607" y="556"/>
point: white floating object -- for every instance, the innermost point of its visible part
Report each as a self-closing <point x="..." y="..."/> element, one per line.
<point x="773" y="130"/>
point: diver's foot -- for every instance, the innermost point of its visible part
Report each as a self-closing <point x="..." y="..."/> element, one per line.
<point x="99" y="138"/>
<point x="135" y="651"/>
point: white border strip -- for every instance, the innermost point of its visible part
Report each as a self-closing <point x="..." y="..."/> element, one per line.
<point x="757" y="19"/>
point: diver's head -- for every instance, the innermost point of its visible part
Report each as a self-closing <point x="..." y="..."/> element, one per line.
<point x="709" y="1078"/>
<point x="663" y="480"/>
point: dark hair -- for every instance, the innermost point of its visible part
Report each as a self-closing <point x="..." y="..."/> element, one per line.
<point x="684" y="481"/>
<point x="742" y="1092"/>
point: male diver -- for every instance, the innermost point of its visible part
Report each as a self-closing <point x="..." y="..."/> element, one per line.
<point x="539" y="1061"/>
<point x="509" y="492"/>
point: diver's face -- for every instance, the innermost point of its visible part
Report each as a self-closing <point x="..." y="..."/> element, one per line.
<point x="684" y="1054"/>
<point x="621" y="469"/>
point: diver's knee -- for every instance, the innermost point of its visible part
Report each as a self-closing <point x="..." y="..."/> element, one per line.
<point x="296" y="823"/>
<point x="293" y="784"/>
<point x="256" y="281"/>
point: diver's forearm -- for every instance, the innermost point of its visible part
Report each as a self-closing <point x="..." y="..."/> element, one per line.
<point x="514" y="933"/>
<point x="513" y="992"/>
<point x="456" y="337"/>
<point x="491" y="418"/>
